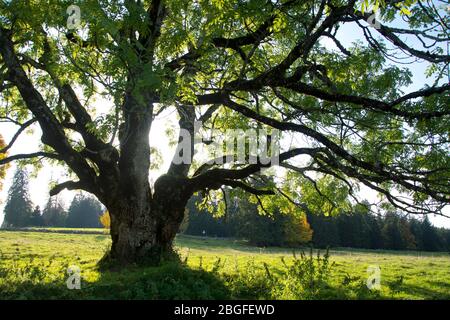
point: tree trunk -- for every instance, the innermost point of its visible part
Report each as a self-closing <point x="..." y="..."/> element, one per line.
<point x="143" y="230"/>
<point x="144" y="223"/>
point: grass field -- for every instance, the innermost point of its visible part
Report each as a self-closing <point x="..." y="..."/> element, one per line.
<point x="33" y="265"/>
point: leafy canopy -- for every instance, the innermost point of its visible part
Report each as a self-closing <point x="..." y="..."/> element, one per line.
<point x="348" y="110"/>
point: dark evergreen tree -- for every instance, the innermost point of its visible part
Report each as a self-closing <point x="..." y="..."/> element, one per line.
<point x="408" y="238"/>
<point x="54" y="214"/>
<point x="376" y="237"/>
<point x="446" y="238"/>
<point x="347" y="230"/>
<point x="325" y="229"/>
<point x="416" y="229"/>
<point x="431" y="241"/>
<point x="362" y="230"/>
<point x="84" y="212"/>
<point x="18" y="208"/>
<point x="36" y="218"/>
<point x="392" y="236"/>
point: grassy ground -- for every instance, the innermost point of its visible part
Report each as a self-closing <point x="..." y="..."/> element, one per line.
<point x="33" y="265"/>
<point x="61" y="230"/>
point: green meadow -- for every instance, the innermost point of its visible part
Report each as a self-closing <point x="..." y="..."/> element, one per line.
<point x="34" y="265"/>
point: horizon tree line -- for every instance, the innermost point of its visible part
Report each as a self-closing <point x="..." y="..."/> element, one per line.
<point x="361" y="229"/>
<point x="83" y="212"/>
<point x="391" y="230"/>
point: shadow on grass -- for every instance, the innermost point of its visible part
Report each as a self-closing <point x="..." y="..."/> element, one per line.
<point x="170" y="281"/>
<point x="240" y="246"/>
<point x="303" y="277"/>
<point x="428" y="293"/>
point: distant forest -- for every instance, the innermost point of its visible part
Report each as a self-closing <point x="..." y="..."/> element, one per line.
<point x="392" y="230"/>
<point x="83" y="212"/>
<point x="361" y="229"/>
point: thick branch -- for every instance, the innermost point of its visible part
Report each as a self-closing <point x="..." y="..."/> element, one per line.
<point x="69" y="185"/>
<point x="251" y="38"/>
<point x="247" y="188"/>
<point x="214" y="178"/>
<point x="186" y="122"/>
<point x="389" y="34"/>
<point x="385" y="173"/>
<point x="29" y="156"/>
<point x="375" y="104"/>
<point x="52" y="131"/>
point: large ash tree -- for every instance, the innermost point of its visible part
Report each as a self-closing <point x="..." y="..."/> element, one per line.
<point x="346" y="110"/>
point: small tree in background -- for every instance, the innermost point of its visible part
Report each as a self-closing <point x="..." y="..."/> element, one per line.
<point x="105" y="220"/>
<point x="36" y="218"/>
<point x="392" y="237"/>
<point x="430" y="238"/>
<point x="407" y="235"/>
<point x="54" y="214"/>
<point x="19" y="208"/>
<point x="84" y="212"/>
<point x="446" y="238"/>
<point x="416" y="229"/>
<point x="297" y="231"/>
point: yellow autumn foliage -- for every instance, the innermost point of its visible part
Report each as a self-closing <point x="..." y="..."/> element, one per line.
<point x="105" y="220"/>
<point x="298" y="231"/>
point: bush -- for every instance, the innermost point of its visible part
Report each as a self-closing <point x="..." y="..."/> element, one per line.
<point x="305" y="278"/>
<point x="105" y="220"/>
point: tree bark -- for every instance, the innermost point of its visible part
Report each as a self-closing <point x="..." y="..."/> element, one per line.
<point x="143" y="230"/>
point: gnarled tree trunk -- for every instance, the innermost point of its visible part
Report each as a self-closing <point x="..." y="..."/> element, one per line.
<point x="143" y="228"/>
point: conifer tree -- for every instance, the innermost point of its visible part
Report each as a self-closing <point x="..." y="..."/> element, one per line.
<point x="18" y="208"/>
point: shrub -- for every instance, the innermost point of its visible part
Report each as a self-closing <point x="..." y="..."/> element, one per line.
<point x="105" y="220"/>
<point x="305" y="278"/>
